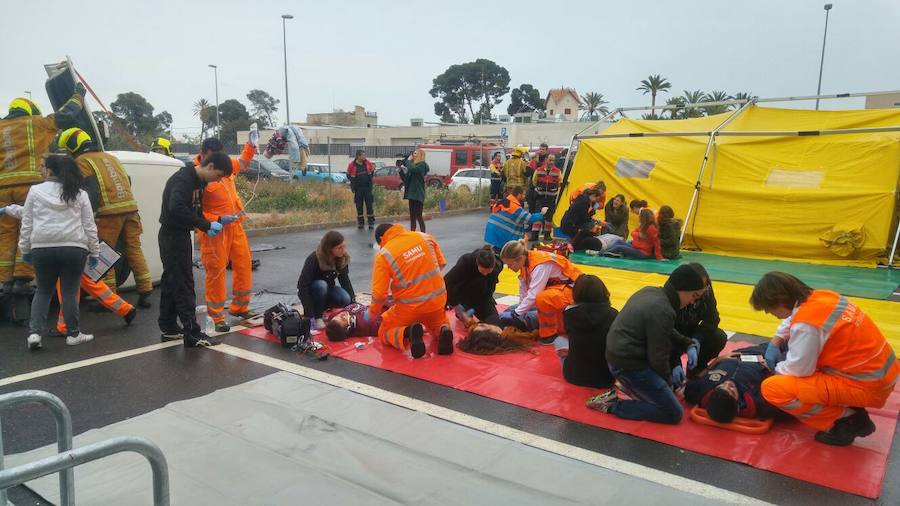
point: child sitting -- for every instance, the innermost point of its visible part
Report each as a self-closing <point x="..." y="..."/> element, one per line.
<point x="351" y="321"/>
<point x="587" y="323"/>
<point x="669" y="233"/>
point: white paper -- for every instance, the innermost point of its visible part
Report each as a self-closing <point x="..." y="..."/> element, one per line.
<point x="108" y="258"/>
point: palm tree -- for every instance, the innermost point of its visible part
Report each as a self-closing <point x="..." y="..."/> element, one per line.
<point x="743" y="95"/>
<point x="593" y="106"/>
<point x="677" y="102"/>
<point x="693" y="97"/>
<point x="716" y="96"/>
<point x="200" y="106"/>
<point x="653" y="85"/>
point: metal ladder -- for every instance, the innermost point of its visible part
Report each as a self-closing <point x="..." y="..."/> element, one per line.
<point x="67" y="458"/>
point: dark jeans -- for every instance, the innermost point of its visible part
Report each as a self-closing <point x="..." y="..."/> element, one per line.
<point x="64" y="263"/>
<point x="177" y="300"/>
<point x="712" y="342"/>
<point x="325" y="297"/>
<point x="627" y="250"/>
<point x="585" y="240"/>
<point x="364" y="196"/>
<point x="415" y="214"/>
<point x="496" y="189"/>
<point x="655" y="403"/>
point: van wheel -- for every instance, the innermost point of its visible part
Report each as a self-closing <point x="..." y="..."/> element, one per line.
<point x="435" y="183"/>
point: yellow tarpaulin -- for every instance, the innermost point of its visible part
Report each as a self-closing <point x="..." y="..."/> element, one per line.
<point x="760" y="196"/>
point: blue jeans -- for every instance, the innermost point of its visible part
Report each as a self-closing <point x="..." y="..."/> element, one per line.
<point x="655" y="403"/>
<point x="325" y="297"/>
<point x="529" y="319"/>
<point x="627" y="250"/>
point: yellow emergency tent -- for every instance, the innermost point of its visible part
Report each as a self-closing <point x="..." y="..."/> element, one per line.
<point x="778" y="183"/>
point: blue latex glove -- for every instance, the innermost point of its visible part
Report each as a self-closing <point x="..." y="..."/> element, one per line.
<point x="26" y="258"/>
<point x="93" y="261"/>
<point x="2" y="211"/>
<point x="225" y="219"/>
<point x="678" y="376"/>
<point x="773" y="355"/>
<point x="366" y="316"/>
<point x="692" y="352"/>
<point x="214" y="228"/>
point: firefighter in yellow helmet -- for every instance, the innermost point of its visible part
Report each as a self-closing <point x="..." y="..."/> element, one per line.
<point x="26" y="138"/>
<point x="115" y="208"/>
<point x="162" y="146"/>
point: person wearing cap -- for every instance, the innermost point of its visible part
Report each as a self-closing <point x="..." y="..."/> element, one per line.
<point x="514" y="169"/>
<point x="162" y="146"/>
<point x="27" y="136"/>
<point x="638" y="347"/>
<point x="115" y="208"/>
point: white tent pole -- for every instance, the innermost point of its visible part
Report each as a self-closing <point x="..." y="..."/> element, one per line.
<point x="575" y="138"/>
<point x="894" y="247"/>
<point x="709" y="144"/>
<point x="757" y="133"/>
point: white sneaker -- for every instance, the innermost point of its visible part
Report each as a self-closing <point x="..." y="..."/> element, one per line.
<point x="318" y="324"/>
<point x="34" y="342"/>
<point x="81" y="338"/>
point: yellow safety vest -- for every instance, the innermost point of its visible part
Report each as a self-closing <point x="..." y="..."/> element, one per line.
<point x="115" y="187"/>
<point x="23" y="141"/>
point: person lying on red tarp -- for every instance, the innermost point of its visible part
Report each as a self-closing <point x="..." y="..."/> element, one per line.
<point x="352" y="321"/>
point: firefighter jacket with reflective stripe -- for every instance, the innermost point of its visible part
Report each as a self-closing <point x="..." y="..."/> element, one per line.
<point x="546" y="180"/>
<point x="113" y="183"/>
<point x="25" y="139"/>
<point x="536" y="258"/>
<point x="514" y="171"/>
<point x="508" y="222"/>
<point x="409" y="267"/>
<point x="854" y="346"/>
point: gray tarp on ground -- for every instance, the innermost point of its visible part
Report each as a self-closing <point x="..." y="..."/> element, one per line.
<point x="284" y="439"/>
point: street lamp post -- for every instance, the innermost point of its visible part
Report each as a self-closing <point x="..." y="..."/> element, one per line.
<point x="822" y="61"/>
<point x="216" y="77"/>
<point x="287" y="101"/>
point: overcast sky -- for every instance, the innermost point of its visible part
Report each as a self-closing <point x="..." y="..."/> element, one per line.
<point x="383" y="54"/>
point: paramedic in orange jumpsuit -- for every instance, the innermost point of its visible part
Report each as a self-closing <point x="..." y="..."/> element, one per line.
<point x="838" y="362"/>
<point x="115" y="208"/>
<point x="409" y="267"/>
<point x="26" y="138"/>
<point x="222" y="203"/>
<point x="545" y="283"/>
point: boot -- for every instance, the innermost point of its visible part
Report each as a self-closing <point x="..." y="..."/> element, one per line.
<point x="445" y="341"/>
<point x="144" y="300"/>
<point x="416" y="345"/>
<point x="846" y="429"/>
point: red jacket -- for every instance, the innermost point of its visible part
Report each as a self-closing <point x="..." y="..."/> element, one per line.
<point x="351" y="167"/>
<point x="648" y="243"/>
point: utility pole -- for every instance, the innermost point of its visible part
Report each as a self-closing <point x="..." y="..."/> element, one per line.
<point x="822" y="61"/>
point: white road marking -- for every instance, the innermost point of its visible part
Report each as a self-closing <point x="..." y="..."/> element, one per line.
<point x="86" y="363"/>
<point x="611" y="463"/>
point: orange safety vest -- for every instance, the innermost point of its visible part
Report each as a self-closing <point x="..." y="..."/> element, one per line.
<point x="115" y="187"/>
<point x="536" y="257"/>
<point x="601" y="200"/>
<point x="854" y="346"/>
<point x="410" y="264"/>
<point x="23" y="141"/>
<point x="221" y="197"/>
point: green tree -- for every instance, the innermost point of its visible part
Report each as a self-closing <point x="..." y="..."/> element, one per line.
<point x="233" y="116"/>
<point x="716" y="96"/>
<point x="693" y="97"/>
<point x="677" y="102"/>
<point x="525" y="98"/>
<point x="263" y="107"/>
<point x="463" y="86"/>
<point x="743" y="95"/>
<point x="593" y="105"/>
<point x="136" y="114"/>
<point x="654" y="84"/>
<point x="200" y="111"/>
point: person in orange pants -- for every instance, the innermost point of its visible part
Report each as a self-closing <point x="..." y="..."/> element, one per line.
<point x="222" y="203"/>
<point x="545" y="283"/>
<point x="409" y="266"/>
<point x="838" y="362"/>
<point x="104" y="295"/>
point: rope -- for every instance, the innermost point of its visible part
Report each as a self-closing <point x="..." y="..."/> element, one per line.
<point x="116" y="121"/>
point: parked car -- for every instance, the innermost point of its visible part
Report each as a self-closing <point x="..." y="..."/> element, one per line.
<point x="319" y="172"/>
<point x="387" y="177"/>
<point x="445" y="160"/>
<point x="266" y="169"/>
<point x="471" y="179"/>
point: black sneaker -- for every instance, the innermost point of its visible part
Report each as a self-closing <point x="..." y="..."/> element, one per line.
<point x="414" y="333"/>
<point x="171" y="335"/>
<point x="223" y="327"/>
<point x="846" y="429"/>
<point x="200" y="340"/>
<point x="445" y="341"/>
<point x="865" y="425"/>
<point x="548" y="341"/>
<point x="129" y="317"/>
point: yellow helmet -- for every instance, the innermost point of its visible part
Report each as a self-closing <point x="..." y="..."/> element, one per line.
<point x="24" y="105"/>
<point x="520" y="150"/>
<point x="162" y="144"/>
<point x="73" y="140"/>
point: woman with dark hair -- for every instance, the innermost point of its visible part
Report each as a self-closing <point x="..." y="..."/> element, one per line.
<point x="617" y="216"/>
<point x="699" y="321"/>
<point x="58" y="234"/>
<point x="316" y="287"/>
<point x="669" y="233"/>
<point x="412" y="172"/>
<point x="587" y="322"/>
<point x="472" y="281"/>
<point x="644" y="239"/>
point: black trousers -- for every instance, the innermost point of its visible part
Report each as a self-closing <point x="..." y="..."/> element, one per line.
<point x="364" y="196"/>
<point x="416" y="209"/>
<point x="585" y="240"/>
<point x="712" y="342"/>
<point x="474" y="296"/>
<point x="178" y="300"/>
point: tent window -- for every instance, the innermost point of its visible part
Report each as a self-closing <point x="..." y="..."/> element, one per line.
<point x="787" y="178"/>
<point x="634" y="168"/>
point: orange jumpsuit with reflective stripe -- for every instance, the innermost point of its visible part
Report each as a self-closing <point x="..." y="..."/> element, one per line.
<point x="99" y="291"/>
<point x="221" y="198"/>
<point x="855" y="368"/>
<point x="553" y="299"/>
<point x="409" y="266"/>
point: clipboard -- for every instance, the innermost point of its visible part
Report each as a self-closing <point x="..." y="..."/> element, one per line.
<point x="108" y="258"/>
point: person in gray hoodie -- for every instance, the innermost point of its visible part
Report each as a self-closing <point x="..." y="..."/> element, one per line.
<point x="639" y="344"/>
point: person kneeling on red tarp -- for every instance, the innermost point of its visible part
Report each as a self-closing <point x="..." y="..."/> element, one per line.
<point x="409" y="266"/>
<point x="838" y="362"/>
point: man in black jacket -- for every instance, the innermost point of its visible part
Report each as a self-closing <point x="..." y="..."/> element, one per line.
<point x="360" y="172"/>
<point x="700" y="322"/>
<point x="181" y="213"/>
<point x="472" y="281"/>
<point x="638" y="349"/>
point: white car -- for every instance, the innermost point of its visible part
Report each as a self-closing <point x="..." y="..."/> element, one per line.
<point x="471" y="179"/>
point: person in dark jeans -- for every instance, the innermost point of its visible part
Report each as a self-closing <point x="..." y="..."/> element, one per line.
<point x="181" y="213"/>
<point x="472" y="281"/>
<point x="700" y="322"/>
<point x="359" y="172"/>
<point x="638" y="347"/>
<point x="316" y="286"/>
<point x="413" y="171"/>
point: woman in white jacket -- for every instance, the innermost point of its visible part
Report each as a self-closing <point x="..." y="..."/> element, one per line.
<point x="58" y="233"/>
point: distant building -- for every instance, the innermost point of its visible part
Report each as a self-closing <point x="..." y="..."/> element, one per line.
<point x="883" y="101"/>
<point x="358" y="118"/>
<point x="562" y="102"/>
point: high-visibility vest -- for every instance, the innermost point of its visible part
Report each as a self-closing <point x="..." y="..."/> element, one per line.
<point x="23" y="141"/>
<point x="536" y="257"/>
<point x="546" y="180"/>
<point x="854" y="346"/>
<point x="115" y="187"/>
<point x="221" y="197"/>
<point x="514" y="169"/>
<point x="413" y="260"/>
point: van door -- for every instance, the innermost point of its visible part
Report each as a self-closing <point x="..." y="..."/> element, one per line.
<point x="438" y="160"/>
